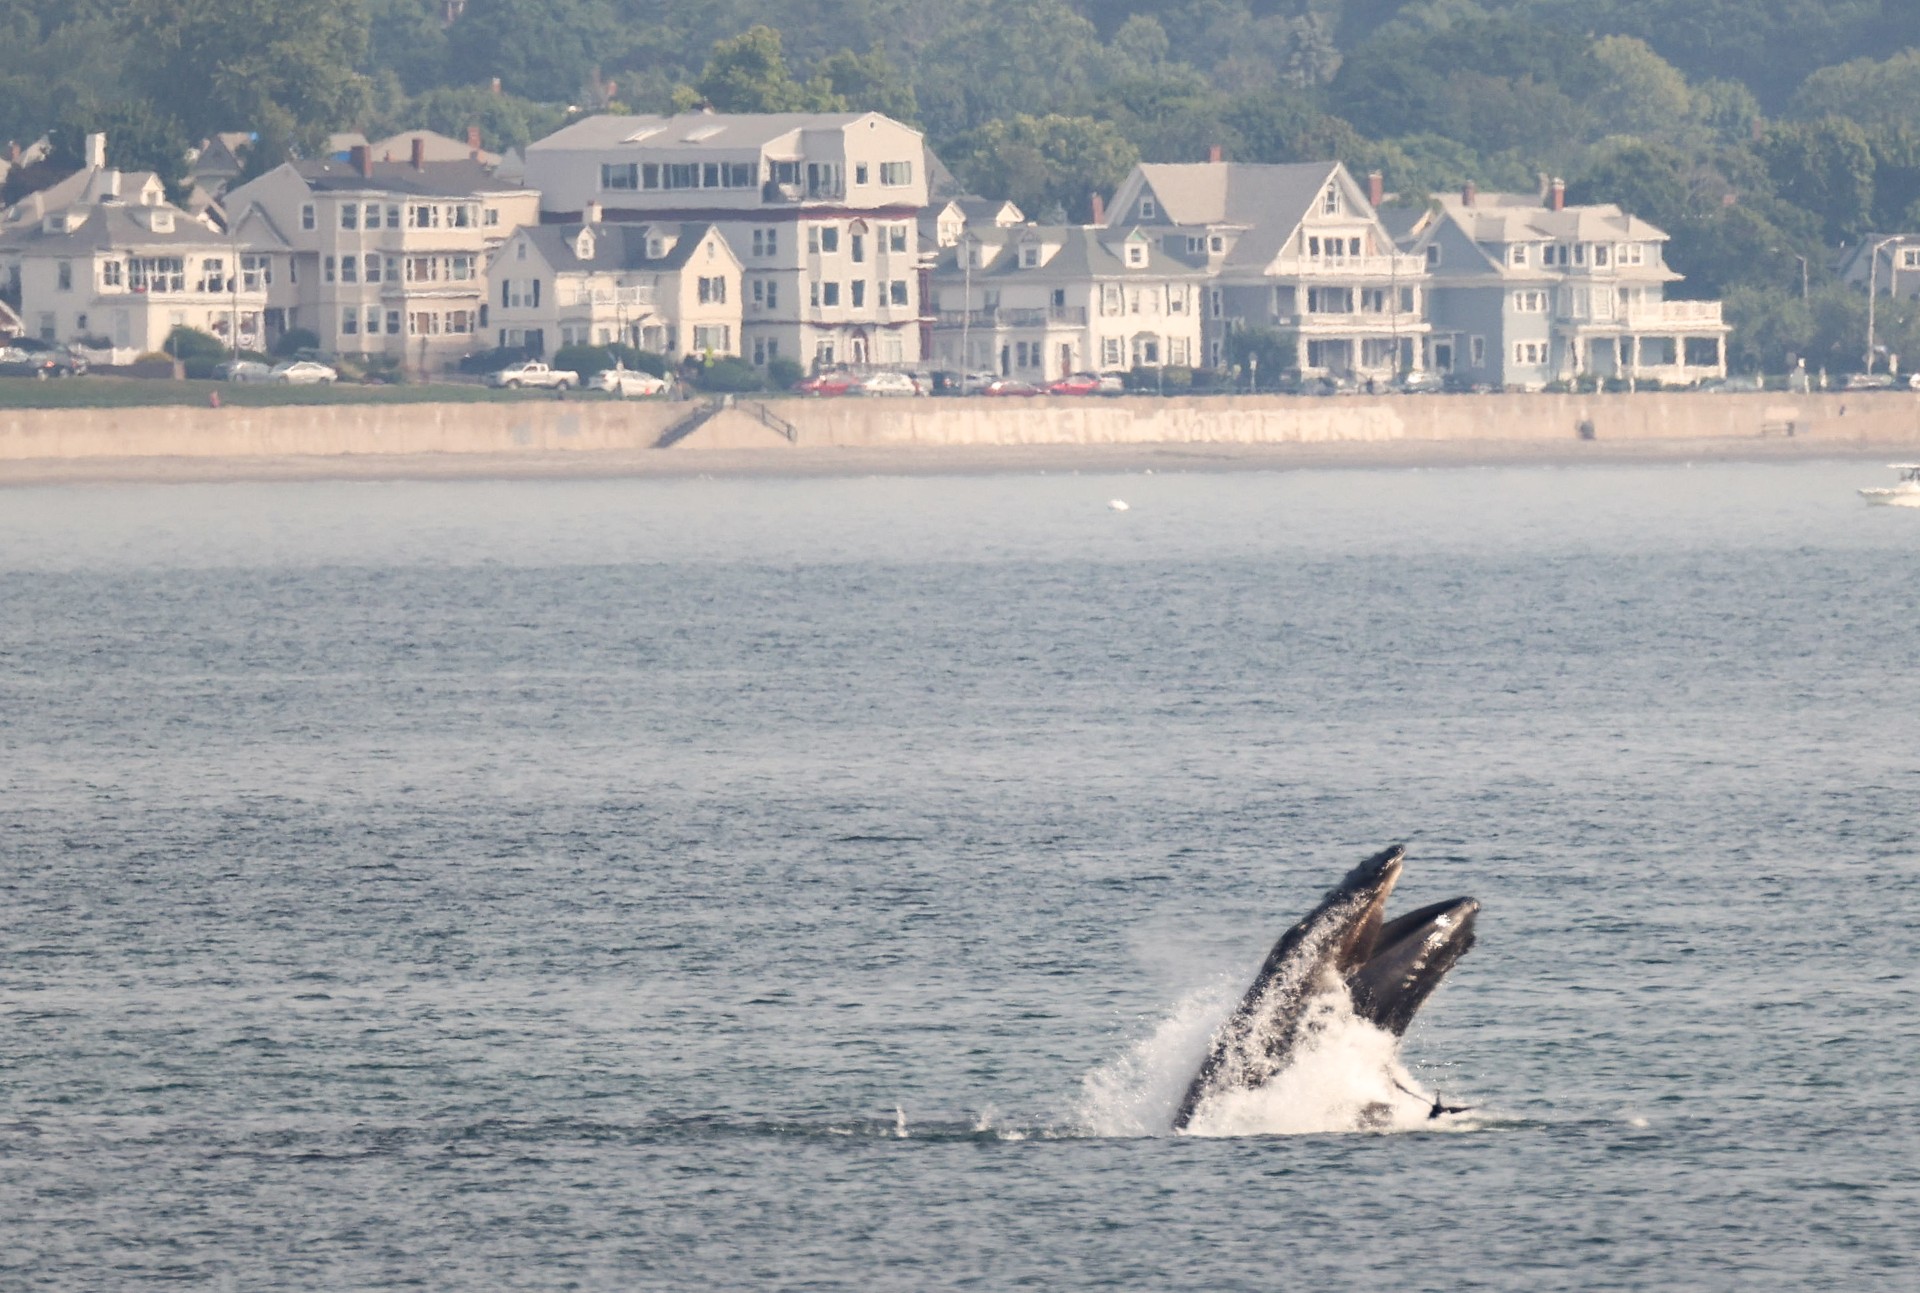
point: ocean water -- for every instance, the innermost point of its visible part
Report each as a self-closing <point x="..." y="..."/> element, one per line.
<point x="831" y="884"/>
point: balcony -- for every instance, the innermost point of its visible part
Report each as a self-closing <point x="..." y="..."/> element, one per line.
<point x="774" y="193"/>
<point x="1353" y="267"/>
<point x="1672" y="314"/>
<point x="1354" y="321"/>
<point x="610" y="297"/>
<point x="1072" y="316"/>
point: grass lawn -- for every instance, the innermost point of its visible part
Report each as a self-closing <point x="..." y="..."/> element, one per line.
<point x="134" y="392"/>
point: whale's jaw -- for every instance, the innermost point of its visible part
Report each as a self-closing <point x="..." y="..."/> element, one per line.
<point x="1345" y="945"/>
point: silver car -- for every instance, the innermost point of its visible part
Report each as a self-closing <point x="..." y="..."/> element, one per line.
<point x="303" y="372"/>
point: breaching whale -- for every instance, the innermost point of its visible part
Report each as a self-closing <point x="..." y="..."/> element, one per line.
<point x="1345" y="945"/>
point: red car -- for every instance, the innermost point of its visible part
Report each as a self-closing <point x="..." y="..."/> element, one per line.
<point x="828" y="384"/>
<point x="1088" y="384"/>
<point x="1008" y="386"/>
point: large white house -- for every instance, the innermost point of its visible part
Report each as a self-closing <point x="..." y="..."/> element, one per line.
<point x="822" y="209"/>
<point x="390" y="257"/>
<point x="670" y="288"/>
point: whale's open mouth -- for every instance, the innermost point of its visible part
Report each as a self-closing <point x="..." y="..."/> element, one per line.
<point x="1386" y="969"/>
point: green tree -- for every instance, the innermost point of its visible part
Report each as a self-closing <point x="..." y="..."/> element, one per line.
<point x="1040" y="161"/>
<point x="138" y="138"/>
<point x="869" y="83"/>
<point x="749" y="74"/>
<point x="540" y="49"/>
<point x="284" y="68"/>
<point x="1824" y="167"/>
<point x="1262" y="350"/>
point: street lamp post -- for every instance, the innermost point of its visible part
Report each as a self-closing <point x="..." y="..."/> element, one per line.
<point x="1873" y="290"/>
<point x="966" y="309"/>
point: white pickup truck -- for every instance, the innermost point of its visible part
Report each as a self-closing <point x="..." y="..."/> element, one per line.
<point x="533" y="373"/>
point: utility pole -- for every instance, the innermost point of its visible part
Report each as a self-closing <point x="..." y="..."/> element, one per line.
<point x="1873" y="290"/>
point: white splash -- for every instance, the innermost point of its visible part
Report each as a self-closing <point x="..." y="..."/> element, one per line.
<point x="899" y="1122"/>
<point x="1345" y="1075"/>
<point x="1118" y="505"/>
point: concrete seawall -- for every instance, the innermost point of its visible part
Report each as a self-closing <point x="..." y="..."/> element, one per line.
<point x="34" y="443"/>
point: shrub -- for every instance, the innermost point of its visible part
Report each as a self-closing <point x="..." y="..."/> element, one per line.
<point x="784" y="374"/>
<point x="294" y="340"/>
<point x="729" y="376"/>
<point x="191" y="344"/>
<point x="492" y="361"/>
<point x="585" y="360"/>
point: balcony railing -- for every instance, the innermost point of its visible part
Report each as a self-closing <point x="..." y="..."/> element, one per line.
<point x="1354" y="320"/>
<point x="1336" y="267"/>
<point x="1656" y="314"/>
<point x="776" y="193"/>
<point x="611" y="297"/>
<point x="1033" y="317"/>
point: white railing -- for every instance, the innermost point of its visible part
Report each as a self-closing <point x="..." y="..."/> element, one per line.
<point x="608" y="296"/>
<point x="1334" y="267"/>
<point x="1644" y="314"/>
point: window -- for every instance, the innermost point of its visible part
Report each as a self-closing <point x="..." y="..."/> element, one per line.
<point x="306" y="216"/>
<point x="65" y="271"/>
<point x="423" y="323"/>
<point x="461" y="321"/>
<point x="111" y="274"/>
<point x="1517" y="254"/>
<point x="1329" y="300"/>
<point x="462" y="216"/>
<point x="897" y="292"/>
<point x="1909" y="257"/>
<point x="1194" y="244"/>
<point x="759" y="294"/>
<point x="1216" y="243"/>
<point x="1529" y="353"/>
<point x="372" y="220"/>
<point x="157" y="274"/>
<point x="213" y="275"/>
<point x="490" y="217"/>
<point x="423" y="269"/>
<point x="829" y="239"/>
<point x="859" y="294"/>
<point x="1530" y="302"/>
<point x="1176" y="300"/>
<point x="1110" y="299"/>
<point x="350" y="320"/>
<point x="1178" y="353"/>
<point x="1579" y="253"/>
<point x="713" y="291"/>
<point x="857" y="245"/>
<point x="1373" y="300"/>
<point x="823" y="352"/>
<point x="373" y="269"/>
<point x="1634" y="253"/>
<point x="681" y="175"/>
<point x="1148" y="210"/>
<point x="1146" y="351"/>
<point x="1330" y="200"/>
<point x="1216" y="302"/>
<point x="350" y="215"/>
<point x="1030" y="257"/>
<point x="860" y="173"/>
<point x="1433" y="255"/>
<point x="813" y="294"/>
<point x="1600" y="254"/>
<point x="619" y="175"/>
<point x="393" y="322"/>
<point x="759" y="242"/>
<point x="773" y="294"/>
<point x="393" y="217"/>
<point x="1111" y="355"/>
<point x="349" y="269"/>
<point x="1477" y="349"/>
<point x="1136" y="254"/>
<point x="373" y="321"/>
<point x="712" y="337"/>
<point x="829" y="294"/>
<point x="897" y="237"/>
<point x="327" y="269"/>
<point x="423" y="217"/>
<point x="896" y="175"/>
<point x="460" y="269"/>
<point x="519" y="251"/>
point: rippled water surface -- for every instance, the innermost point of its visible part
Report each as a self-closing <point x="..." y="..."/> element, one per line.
<point x="824" y="883"/>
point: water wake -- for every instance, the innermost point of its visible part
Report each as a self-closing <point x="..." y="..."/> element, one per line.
<point x="1343" y="1075"/>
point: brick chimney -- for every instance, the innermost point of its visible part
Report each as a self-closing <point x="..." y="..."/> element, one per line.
<point x="97" y="152"/>
<point x="1215" y="154"/>
<point x="1468" y="193"/>
<point x="473" y="139"/>
<point x="419" y="153"/>
<point x="1557" y="194"/>
<point x="1099" y="209"/>
<point x="13" y="151"/>
<point x="495" y="87"/>
<point x="1376" y="187"/>
<point x="362" y="160"/>
<point x="593" y="213"/>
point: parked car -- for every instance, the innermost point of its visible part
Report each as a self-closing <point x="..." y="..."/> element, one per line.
<point x="1868" y="382"/>
<point x="1009" y="386"/>
<point x="1088" y="384"/>
<point x="827" y="384"/>
<point x="887" y="384"/>
<point x="303" y="372"/>
<point x="532" y="372"/>
<point x="627" y="382"/>
<point x="1424" y="382"/>
<point x="243" y="371"/>
<point x="39" y="364"/>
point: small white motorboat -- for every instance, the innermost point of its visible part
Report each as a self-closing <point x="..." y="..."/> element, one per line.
<point x="1904" y="494"/>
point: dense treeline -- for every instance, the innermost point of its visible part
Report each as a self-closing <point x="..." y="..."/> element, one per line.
<point x="1758" y="132"/>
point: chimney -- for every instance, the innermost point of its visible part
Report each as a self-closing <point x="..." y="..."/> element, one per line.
<point x="1467" y="193"/>
<point x="13" y="151"/>
<point x="1099" y="209"/>
<point x="1215" y="155"/>
<point x="362" y="156"/>
<point x="419" y="153"/>
<point x="495" y="87"/>
<point x="97" y="152"/>
<point x="473" y="141"/>
<point x="1376" y="187"/>
<point x="1558" y="194"/>
<point x="593" y="213"/>
<point x="111" y="186"/>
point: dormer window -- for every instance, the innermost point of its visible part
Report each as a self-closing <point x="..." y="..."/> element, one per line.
<point x="583" y="245"/>
<point x="1518" y="254"/>
<point x="656" y="248"/>
<point x="1330" y="200"/>
<point x="1029" y="257"/>
<point x="1216" y="244"/>
<point x="1148" y="210"/>
<point x="1136" y="254"/>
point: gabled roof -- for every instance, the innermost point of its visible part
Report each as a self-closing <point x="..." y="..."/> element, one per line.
<point x="707" y="131"/>
<point x="439" y="148"/>
<point x="1522" y="217"/>
<point x="452" y="179"/>
<point x="86" y="186"/>
<point x="1268" y="201"/>
<point x="617" y="247"/>
<point x="111" y="225"/>
<point x="1086" y="252"/>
